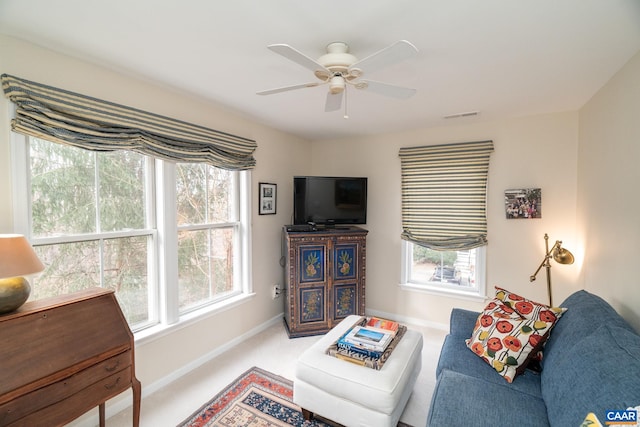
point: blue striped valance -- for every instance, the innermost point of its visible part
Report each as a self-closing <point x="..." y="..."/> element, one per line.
<point x="69" y="118"/>
<point x="444" y="192"/>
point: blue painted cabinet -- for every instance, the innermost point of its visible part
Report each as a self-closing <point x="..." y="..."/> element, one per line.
<point x="324" y="278"/>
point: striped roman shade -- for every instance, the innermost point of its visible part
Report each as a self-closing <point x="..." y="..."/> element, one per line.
<point x="444" y="195"/>
<point x="69" y="118"/>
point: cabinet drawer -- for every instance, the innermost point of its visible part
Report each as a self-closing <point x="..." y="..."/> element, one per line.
<point x="77" y="404"/>
<point x="106" y="372"/>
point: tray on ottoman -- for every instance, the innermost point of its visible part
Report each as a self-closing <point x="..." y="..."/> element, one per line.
<point x="355" y="395"/>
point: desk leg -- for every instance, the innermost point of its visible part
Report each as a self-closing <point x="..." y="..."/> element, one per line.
<point x="101" y="413"/>
<point x="137" y="392"/>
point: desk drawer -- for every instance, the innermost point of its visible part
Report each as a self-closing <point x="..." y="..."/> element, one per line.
<point x="96" y="383"/>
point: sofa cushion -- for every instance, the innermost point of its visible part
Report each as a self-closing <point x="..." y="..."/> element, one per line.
<point x="599" y="373"/>
<point x="506" y="340"/>
<point x="585" y="312"/>
<point x="455" y="356"/>
<point x="462" y="322"/>
<point x="460" y="400"/>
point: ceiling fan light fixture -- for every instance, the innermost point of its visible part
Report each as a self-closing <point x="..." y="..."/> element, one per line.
<point x="336" y="84"/>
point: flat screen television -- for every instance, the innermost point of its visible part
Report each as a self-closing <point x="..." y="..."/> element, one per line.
<point x="328" y="200"/>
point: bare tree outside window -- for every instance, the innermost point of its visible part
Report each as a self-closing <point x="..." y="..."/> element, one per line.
<point x="94" y="224"/>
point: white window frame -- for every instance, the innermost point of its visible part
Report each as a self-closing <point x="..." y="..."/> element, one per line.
<point x="442" y="289"/>
<point x="163" y="283"/>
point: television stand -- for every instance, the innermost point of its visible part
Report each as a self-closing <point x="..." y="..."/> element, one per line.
<point x="324" y="278"/>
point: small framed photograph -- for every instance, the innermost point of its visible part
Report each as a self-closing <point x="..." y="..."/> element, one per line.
<point x="523" y="203"/>
<point x="267" y="200"/>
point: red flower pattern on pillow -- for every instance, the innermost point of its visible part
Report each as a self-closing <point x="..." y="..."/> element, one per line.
<point x="486" y="320"/>
<point x="547" y="316"/>
<point x="504" y="326"/>
<point x="512" y="343"/>
<point x="493" y="344"/>
<point x="535" y="339"/>
<point x="478" y="349"/>
<point x="524" y="307"/>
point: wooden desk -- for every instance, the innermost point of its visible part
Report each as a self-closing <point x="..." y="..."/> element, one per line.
<point x="63" y="356"/>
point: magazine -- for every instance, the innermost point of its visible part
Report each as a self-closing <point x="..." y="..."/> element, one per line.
<point x="368" y="338"/>
<point x="383" y="324"/>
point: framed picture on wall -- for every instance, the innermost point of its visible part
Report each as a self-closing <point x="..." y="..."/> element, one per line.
<point x="267" y="199"/>
<point x="523" y="203"/>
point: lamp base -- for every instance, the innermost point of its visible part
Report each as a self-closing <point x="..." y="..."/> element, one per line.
<point x="14" y="291"/>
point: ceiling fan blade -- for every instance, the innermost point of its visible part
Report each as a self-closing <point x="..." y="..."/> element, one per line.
<point x="334" y="102"/>
<point x="399" y="51"/>
<point x="387" y="89"/>
<point x="288" y="88"/>
<point x="297" y="57"/>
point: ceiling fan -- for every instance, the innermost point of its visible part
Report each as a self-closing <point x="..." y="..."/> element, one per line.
<point x="338" y="68"/>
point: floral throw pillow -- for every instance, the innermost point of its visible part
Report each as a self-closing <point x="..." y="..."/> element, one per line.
<point x="507" y="340"/>
<point x="525" y="307"/>
<point x="529" y="309"/>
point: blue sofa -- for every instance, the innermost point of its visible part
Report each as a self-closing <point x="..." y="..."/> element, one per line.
<point x="591" y="364"/>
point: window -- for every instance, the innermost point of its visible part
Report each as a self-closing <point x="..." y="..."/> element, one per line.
<point x="451" y="272"/>
<point x="169" y="238"/>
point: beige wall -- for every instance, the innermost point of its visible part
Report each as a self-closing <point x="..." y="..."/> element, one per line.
<point x="158" y="359"/>
<point x="608" y="201"/>
<point x="535" y="151"/>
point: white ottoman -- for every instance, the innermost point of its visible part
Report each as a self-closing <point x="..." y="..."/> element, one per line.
<point x="354" y="395"/>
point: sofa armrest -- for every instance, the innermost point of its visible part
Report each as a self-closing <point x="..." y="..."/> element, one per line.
<point x="461" y="322"/>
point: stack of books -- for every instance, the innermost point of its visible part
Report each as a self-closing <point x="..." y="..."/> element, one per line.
<point x="370" y="339"/>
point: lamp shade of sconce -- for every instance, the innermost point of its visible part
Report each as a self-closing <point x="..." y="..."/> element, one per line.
<point x="563" y="256"/>
<point x="17" y="259"/>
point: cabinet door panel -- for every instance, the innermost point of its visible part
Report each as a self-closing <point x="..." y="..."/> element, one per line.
<point x="312" y="264"/>
<point x="344" y="299"/>
<point x="312" y="304"/>
<point x="345" y="261"/>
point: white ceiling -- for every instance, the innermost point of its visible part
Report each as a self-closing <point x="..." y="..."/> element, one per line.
<point x="500" y="57"/>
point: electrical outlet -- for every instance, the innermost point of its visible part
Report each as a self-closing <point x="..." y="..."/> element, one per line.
<point x="275" y="292"/>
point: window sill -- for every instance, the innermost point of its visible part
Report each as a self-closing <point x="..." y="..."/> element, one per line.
<point x="158" y="331"/>
<point x="451" y="293"/>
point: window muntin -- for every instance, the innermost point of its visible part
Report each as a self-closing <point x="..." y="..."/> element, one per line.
<point x="92" y="222"/>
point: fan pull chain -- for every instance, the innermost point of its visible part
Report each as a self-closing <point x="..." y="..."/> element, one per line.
<point x="346" y="115"/>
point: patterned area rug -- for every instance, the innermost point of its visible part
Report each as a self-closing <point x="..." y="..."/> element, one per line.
<point x="257" y="398"/>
